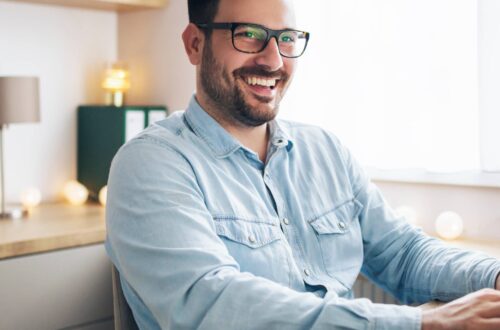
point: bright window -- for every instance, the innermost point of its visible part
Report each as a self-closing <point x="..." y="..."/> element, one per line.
<point x="401" y="82"/>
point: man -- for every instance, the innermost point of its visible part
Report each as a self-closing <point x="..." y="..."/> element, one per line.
<point x="222" y="217"/>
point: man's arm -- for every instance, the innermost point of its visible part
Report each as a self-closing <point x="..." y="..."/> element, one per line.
<point x="161" y="237"/>
<point x="417" y="268"/>
<point x="413" y="266"/>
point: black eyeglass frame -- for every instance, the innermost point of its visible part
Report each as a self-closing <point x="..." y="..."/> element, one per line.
<point x="270" y="34"/>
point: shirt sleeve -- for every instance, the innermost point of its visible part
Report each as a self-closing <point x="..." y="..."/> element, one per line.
<point x="161" y="238"/>
<point x="402" y="259"/>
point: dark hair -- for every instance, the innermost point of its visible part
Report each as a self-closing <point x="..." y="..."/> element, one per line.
<point x="202" y="11"/>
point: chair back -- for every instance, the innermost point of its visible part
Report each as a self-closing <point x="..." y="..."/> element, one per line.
<point x="124" y="319"/>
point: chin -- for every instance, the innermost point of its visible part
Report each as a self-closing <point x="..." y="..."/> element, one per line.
<point x="267" y="112"/>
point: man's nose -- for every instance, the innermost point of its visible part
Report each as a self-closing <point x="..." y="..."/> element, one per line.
<point x="270" y="57"/>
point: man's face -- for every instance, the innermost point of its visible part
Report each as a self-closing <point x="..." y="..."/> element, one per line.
<point x="246" y="89"/>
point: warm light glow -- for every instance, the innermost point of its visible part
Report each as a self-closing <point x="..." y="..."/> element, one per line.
<point x="116" y="82"/>
<point x="449" y="225"/>
<point x="31" y="197"/>
<point x="116" y="79"/>
<point x="408" y="213"/>
<point x="103" y="195"/>
<point x="75" y="192"/>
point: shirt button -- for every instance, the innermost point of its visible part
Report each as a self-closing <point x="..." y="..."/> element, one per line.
<point x="285" y="221"/>
<point x="306" y="272"/>
<point x="342" y="225"/>
<point x="279" y="142"/>
<point x="251" y="238"/>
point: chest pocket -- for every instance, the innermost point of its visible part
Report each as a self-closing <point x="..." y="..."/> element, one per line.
<point x="341" y="244"/>
<point x="258" y="247"/>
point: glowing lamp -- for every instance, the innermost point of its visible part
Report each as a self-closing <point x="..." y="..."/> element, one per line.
<point x="449" y="225"/>
<point x="116" y="82"/>
<point x="103" y="195"/>
<point x="408" y="213"/>
<point x="30" y="198"/>
<point x="75" y="192"/>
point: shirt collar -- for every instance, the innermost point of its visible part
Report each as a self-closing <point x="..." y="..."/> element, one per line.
<point x="218" y="139"/>
<point x="279" y="136"/>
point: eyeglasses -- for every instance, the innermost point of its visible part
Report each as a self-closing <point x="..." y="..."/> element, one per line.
<point x="253" y="38"/>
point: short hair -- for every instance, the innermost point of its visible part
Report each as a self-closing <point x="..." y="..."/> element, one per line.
<point x="202" y="11"/>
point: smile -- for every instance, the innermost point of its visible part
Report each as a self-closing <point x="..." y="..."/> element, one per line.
<point x="259" y="81"/>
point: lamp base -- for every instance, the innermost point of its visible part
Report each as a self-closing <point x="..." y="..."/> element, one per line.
<point x="13" y="214"/>
<point x="116" y="98"/>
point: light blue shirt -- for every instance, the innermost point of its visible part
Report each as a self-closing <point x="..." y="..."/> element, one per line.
<point x="206" y="236"/>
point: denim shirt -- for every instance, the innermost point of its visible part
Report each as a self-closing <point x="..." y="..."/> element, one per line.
<point x="206" y="236"/>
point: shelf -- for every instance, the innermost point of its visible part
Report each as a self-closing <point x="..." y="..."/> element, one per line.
<point x="113" y="5"/>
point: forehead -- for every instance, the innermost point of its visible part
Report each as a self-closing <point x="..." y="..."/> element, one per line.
<point x="274" y="14"/>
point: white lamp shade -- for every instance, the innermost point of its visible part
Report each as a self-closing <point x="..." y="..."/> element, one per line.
<point x="19" y="100"/>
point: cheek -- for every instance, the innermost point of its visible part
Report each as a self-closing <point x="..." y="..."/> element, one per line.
<point x="290" y="66"/>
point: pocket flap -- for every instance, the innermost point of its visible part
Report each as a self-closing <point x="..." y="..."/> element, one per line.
<point x="251" y="234"/>
<point x="338" y="220"/>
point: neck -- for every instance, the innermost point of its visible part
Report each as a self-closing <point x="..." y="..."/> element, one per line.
<point x="253" y="138"/>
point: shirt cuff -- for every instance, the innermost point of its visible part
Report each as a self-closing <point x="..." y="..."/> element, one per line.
<point x="394" y="317"/>
<point x="496" y="277"/>
<point x="492" y="276"/>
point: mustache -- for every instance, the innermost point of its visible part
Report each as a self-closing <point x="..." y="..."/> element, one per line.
<point x="260" y="71"/>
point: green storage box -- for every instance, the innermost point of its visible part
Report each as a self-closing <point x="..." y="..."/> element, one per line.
<point x="102" y="130"/>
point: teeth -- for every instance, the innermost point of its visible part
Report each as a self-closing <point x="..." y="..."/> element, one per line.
<point x="261" y="81"/>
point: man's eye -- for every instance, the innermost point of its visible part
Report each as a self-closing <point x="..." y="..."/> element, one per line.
<point x="287" y="38"/>
<point x="250" y="34"/>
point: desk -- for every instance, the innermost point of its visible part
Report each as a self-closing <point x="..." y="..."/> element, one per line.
<point x="54" y="270"/>
<point x="51" y="227"/>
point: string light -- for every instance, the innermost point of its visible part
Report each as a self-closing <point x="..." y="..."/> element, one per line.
<point x="75" y="192"/>
<point x="103" y="195"/>
<point x="449" y="225"/>
<point x="31" y="198"/>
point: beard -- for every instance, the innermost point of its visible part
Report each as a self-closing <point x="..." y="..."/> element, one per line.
<point x="228" y="99"/>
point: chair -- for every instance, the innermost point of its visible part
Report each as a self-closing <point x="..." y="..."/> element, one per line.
<point x="124" y="319"/>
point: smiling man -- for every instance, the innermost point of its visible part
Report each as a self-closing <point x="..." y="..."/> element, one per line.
<point x="223" y="217"/>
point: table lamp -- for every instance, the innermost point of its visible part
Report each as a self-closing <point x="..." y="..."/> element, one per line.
<point x="116" y="82"/>
<point x="19" y="103"/>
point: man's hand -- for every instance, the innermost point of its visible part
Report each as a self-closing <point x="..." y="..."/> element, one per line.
<point x="478" y="310"/>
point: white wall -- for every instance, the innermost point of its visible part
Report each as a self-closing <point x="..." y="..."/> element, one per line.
<point x="150" y="42"/>
<point x="67" y="49"/>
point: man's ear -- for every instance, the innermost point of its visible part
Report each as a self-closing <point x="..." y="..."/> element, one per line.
<point x="193" y="39"/>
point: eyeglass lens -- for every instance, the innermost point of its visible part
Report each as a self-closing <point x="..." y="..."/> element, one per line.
<point x="252" y="39"/>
